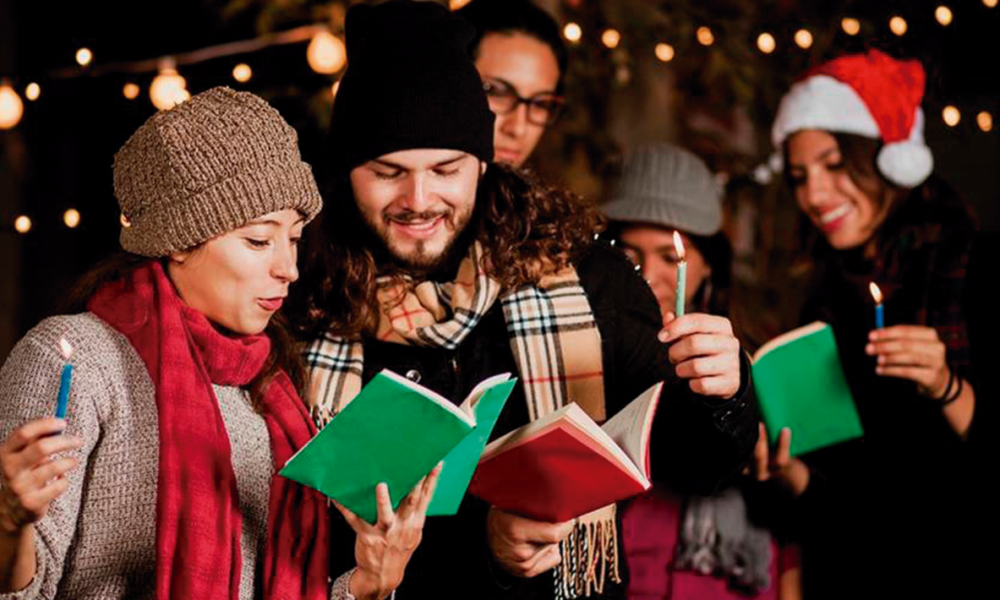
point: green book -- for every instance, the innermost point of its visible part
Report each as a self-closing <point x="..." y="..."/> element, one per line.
<point x="800" y="384"/>
<point x="395" y="431"/>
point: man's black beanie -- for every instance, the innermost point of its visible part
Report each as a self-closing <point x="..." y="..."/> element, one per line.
<point x="410" y="83"/>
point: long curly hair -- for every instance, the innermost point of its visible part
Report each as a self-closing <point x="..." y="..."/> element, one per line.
<point x="519" y="222"/>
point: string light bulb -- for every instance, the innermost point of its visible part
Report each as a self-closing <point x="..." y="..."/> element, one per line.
<point x="242" y="72"/>
<point x="71" y="218"/>
<point x="22" y="224"/>
<point x="130" y="91"/>
<point x="898" y="25"/>
<point x="326" y="53"/>
<point x="985" y="121"/>
<point x="766" y="43"/>
<point x="943" y="15"/>
<point x="33" y="91"/>
<point x="11" y="107"/>
<point x="705" y="36"/>
<point x="84" y="57"/>
<point x="803" y="39"/>
<point x="851" y="26"/>
<point x="610" y="38"/>
<point x="665" y="52"/>
<point x="572" y="32"/>
<point x="951" y="115"/>
<point x="168" y="88"/>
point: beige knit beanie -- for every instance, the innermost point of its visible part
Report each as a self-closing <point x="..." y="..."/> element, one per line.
<point x="206" y="167"/>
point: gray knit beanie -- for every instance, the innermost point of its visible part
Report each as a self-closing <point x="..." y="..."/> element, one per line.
<point x="662" y="184"/>
<point x="205" y="167"/>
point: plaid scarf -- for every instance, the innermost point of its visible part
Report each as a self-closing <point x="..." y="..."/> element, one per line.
<point x="557" y="348"/>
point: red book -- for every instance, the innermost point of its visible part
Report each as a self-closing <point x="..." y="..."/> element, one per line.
<point x="564" y="465"/>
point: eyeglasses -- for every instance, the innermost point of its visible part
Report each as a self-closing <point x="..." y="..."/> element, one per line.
<point x="543" y="109"/>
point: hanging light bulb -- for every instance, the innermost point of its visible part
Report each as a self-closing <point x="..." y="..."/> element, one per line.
<point x="33" y="91"/>
<point x="851" y="26"/>
<point x="11" y="107"/>
<point x="22" y="224"/>
<point x="803" y="39"/>
<point x="168" y="88"/>
<point x="84" y="57"/>
<point x="242" y="72"/>
<point x="665" y="52"/>
<point x="951" y="116"/>
<point x="766" y="43"/>
<point x="130" y="91"/>
<point x="943" y="15"/>
<point x="985" y="121"/>
<point x="898" y="25"/>
<point x="572" y="32"/>
<point x="705" y="36"/>
<point x="71" y="218"/>
<point x="326" y="53"/>
<point x="610" y="38"/>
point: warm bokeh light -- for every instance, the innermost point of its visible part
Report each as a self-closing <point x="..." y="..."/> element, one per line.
<point x="168" y="88"/>
<point x="951" y="116"/>
<point x="335" y="87"/>
<point x="22" y="224"/>
<point x="11" y="107"/>
<point x="130" y="91"/>
<point x="851" y="26"/>
<point x="665" y="52"/>
<point x="242" y="72"/>
<point x="943" y="15"/>
<point x="33" y="91"/>
<point x="610" y="38"/>
<point x="803" y="38"/>
<point x="71" y="218"/>
<point x="766" y="43"/>
<point x="985" y="121"/>
<point x="572" y="32"/>
<point x="705" y="36"/>
<point x="457" y="4"/>
<point x="990" y="3"/>
<point x="84" y="56"/>
<point x="326" y="53"/>
<point x="876" y="292"/>
<point x="898" y="25"/>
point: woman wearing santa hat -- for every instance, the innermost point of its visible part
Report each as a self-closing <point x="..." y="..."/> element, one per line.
<point x="885" y="513"/>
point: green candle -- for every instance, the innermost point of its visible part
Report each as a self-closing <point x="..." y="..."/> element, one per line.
<point x="682" y="268"/>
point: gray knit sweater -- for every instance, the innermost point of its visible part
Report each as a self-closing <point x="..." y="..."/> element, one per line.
<point x="97" y="540"/>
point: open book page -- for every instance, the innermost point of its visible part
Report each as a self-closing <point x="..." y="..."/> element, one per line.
<point x="632" y="426"/>
<point x="469" y="404"/>
<point x="574" y="421"/>
<point x="431" y="395"/>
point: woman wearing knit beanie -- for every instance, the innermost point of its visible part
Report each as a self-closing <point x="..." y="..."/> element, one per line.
<point x="159" y="478"/>
<point x="689" y="546"/>
<point x="889" y="512"/>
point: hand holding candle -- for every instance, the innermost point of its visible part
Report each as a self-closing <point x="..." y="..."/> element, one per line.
<point x="879" y="312"/>
<point x="65" y="380"/>
<point x="681" y="289"/>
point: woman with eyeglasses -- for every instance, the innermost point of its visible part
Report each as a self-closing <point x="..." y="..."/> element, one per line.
<point x="521" y="59"/>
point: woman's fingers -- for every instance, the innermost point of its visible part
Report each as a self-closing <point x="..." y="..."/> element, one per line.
<point x="358" y="524"/>
<point x="383" y="503"/>
<point x="761" y="454"/>
<point x="784" y="454"/>
<point x="428" y="488"/>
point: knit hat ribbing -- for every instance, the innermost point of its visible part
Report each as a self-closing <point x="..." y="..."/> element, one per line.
<point x="205" y="167"/>
<point x="871" y="95"/>
<point x="662" y="184"/>
<point x="409" y="84"/>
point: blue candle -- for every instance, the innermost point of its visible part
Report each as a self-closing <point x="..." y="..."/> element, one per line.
<point x="65" y="379"/>
<point x="879" y="312"/>
<point x="680" y="290"/>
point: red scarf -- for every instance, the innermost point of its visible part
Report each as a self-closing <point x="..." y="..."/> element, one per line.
<point x="198" y="521"/>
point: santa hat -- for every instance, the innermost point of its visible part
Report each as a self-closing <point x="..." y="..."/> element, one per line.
<point x="872" y="95"/>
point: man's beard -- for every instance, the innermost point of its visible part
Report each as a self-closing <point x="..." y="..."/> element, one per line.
<point x="420" y="258"/>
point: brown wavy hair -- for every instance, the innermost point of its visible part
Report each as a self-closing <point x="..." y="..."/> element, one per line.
<point x="519" y="221"/>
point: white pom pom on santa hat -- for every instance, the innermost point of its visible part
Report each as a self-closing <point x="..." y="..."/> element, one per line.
<point x="871" y="95"/>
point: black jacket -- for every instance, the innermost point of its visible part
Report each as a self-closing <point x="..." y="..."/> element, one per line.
<point x="697" y="442"/>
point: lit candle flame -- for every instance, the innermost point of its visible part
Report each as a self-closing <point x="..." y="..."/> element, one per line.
<point x="65" y="348"/>
<point x="876" y="292"/>
<point x="679" y="246"/>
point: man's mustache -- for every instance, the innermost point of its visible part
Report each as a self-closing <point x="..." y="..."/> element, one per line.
<point x="409" y="216"/>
